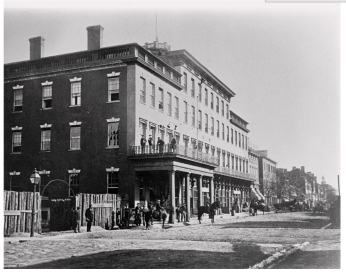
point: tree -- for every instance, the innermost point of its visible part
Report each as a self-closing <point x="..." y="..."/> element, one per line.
<point x="331" y="195"/>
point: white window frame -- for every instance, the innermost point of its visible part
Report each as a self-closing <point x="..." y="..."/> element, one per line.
<point x="185" y="112"/>
<point x="17" y="135"/>
<point x="18" y="93"/>
<point x="113" y="136"/>
<point x="113" y="185"/>
<point x="73" y="173"/>
<point x="169" y="103"/>
<point x="142" y="94"/>
<point x="73" y="139"/>
<point x="161" y="100"/>
<point x="44" y="140"/>
<point x="152" y="95"/>
<point x="176" y="108"/>
<point x="76" y="97"/>
<point x="113" y="92"/>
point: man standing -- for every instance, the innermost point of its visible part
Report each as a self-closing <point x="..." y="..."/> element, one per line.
<point x="77" y="220"/>
<point x="160" y="144"/>
<point x="138" y="215"/>
<point x="150" y="143"/>
<point x="173" y="144"/>
<point x="89" y="217"/>
<point x="143" y="141"/>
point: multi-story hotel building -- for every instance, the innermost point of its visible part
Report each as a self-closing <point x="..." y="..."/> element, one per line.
<point x="80" y="118"/>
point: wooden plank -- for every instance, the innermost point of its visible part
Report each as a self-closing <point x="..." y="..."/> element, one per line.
<point x="5" y="207"/>
<point x="20" y="201"/>
<point x="29" y="207"/>
<point x="103" y="205"/>
<point x="16" y="208"/>
<point x="11" y="230"/>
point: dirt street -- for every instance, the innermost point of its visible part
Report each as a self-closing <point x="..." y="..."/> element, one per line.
<point x="240" y="241"/>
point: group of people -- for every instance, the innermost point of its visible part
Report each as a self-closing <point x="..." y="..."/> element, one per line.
<point x="76" y="217"/>
<point x="159" y="145"/>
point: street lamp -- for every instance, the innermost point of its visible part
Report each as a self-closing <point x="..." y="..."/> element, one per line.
<point x="35" y="179"/>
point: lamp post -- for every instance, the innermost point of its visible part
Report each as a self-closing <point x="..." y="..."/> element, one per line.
<point x="35" y="179"/>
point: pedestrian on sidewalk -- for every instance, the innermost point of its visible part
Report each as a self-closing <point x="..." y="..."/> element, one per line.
<point x="89" y="217"/>
<point x="76" y="218"/>
<point x="148" y="217"/>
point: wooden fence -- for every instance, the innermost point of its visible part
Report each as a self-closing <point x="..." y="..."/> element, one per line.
<point x="102" y="206"/>
<point x="17" y="212"/>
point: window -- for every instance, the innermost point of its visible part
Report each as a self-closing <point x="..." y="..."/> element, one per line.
<point x="245" y="142"/>
<point x="235" y="140"/>
<point x="185" y="111"/>
<point x="45" y="139"/>
<point x="16" y="140"/>
<point x="239" y="140"/>
<point x="206" y="97"/>
<point x="228" y="159"/>
<point x="112" y="182"/>
<point x="18" y="100"/>
<point x="242" y="141"/>
<point x="199" y="119"/>
<point x="75" y="137"/>
<point x="211" y="100"/>
<point x="223" y="160"/>
<point x="75" y="93"/>
<point x="236" y="163"/>
<point x="160" y="99"/>
<point x="227" y="111"/>
<point x="227" y="130"/>
<point x="232" y="162"/>
<point x="223" y="131"/>
<point x="169" y="104"/>
<point x="142" y="91"/>
<point x="206" y="123"/>
<point x="43" y="182"/>
<point x="222" y="108"/>
<point x="232" y="136"/>
<point x="193" y="116"/>
<point x="212" y="126"/>
<point x="185" y="82"/>
<point x="14" y="181"/>
<point x="152" y="95"/>
<point x="217" y="104"/>
<point x="113" y="134"/>
<point x="218" y="128"/>
<point x="200" y="93"/>
<point x="113" y="89"/>
<point x="192" y="88"/>
<point x="176" y="108"/>
<point x="46" y="97"/>
<point x="74" y="182"/>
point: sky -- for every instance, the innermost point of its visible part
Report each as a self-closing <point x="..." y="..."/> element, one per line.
<point x="281" y="59"/>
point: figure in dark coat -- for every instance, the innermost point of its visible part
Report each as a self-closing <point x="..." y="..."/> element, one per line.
<point x="89" y="217"/>
<point x="173" y="144"/>
<point x="160" y="144"/>
<point x="150" y="143"/>
<point x="143" y="141"/>
<point x="77" y="220"/>
<point x="148" y="218"/>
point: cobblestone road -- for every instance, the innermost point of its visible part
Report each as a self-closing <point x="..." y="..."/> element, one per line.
<point x="261" y="234"/>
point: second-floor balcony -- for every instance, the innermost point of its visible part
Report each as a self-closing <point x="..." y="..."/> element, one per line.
<point x="171" y="151"/>
<point x="233" y="173"/>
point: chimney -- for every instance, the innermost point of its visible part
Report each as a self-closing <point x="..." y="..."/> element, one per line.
<point x="303" y="169"/>
<point x="293" y="168"/>
<point x="95" y="37"/>
<point x="36" y="48"/>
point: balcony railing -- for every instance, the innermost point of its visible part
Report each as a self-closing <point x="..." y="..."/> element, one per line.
<point x="168" y="150"/>
<point x="234" y="173"/>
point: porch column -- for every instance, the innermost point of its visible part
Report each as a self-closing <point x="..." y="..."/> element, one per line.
<point x="211" y="190"/>
<point x="199" y="186"/>
<point x="187" y="189"/>
<point x="172" y="194"/>
<point x="180" y="185"/>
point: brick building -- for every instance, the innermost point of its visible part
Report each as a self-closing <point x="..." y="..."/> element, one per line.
<point x="80" y="117"/>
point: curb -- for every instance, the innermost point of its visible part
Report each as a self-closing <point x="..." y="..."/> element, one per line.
<point x="267" y="263"/>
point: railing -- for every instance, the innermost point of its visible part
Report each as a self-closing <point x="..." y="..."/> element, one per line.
<point x="235" y="173"/>
<point x="168" y="149"/>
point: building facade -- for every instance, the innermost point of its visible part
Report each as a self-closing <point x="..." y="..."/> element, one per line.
<point x="81" y="118"/>
<point x="267" y="177"/>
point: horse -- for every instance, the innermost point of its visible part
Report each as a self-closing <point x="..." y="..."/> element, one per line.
<point x="210" y="210"/>
<point x="258" y="205"/>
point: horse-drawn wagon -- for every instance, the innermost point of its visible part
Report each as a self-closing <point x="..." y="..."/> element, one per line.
<point x="285" y="206"/>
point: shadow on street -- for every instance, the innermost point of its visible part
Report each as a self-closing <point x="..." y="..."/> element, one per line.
<point x="245" y="255"/>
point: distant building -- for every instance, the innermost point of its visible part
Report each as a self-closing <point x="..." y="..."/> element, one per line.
<point x="267" y="177"/>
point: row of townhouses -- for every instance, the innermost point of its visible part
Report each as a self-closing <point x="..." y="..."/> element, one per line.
<point x="102" y="121"/>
